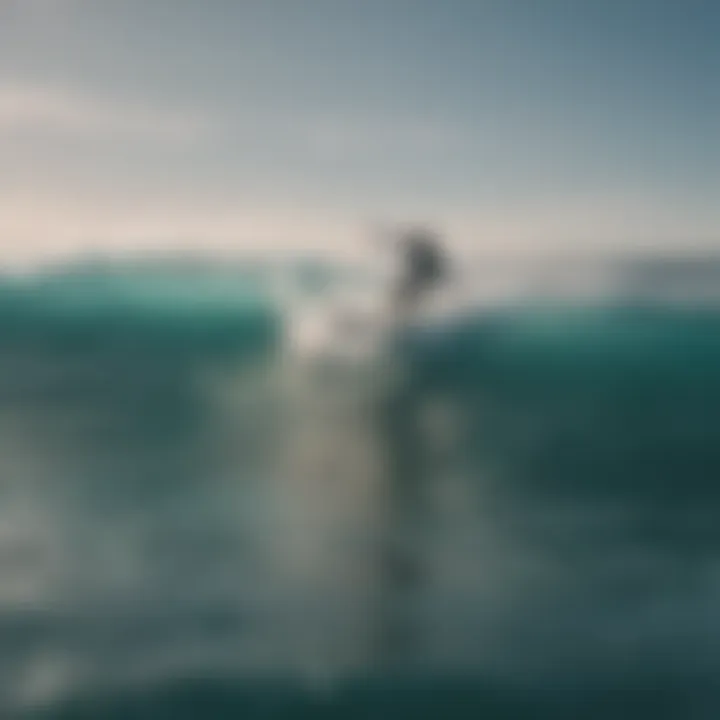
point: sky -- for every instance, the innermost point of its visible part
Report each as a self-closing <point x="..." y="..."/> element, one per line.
<point x="514" y="126"/>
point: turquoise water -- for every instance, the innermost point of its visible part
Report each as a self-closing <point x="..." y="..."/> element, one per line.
<point x="523" y="525"/>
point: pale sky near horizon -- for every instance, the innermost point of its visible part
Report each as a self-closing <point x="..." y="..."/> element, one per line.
<point x="516" y="126"/>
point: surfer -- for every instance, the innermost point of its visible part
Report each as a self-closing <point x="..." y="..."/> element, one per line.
<point x="424" y="268"/>
<point x="407" y="469"/>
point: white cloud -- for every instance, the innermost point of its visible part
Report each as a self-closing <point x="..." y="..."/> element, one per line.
<point x="55" y="109"/>
<point x="38" y="108"/>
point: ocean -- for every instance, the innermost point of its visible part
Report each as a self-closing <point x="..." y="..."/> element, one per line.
<point x="226" y="495"/>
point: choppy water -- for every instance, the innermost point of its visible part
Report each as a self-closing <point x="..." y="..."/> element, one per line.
<point x="197" y="522"/>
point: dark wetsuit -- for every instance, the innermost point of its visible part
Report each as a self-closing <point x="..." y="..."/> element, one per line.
<point x="425" y="267"/>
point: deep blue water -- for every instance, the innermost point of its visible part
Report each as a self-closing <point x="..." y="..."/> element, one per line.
<point x="184" y="534"/>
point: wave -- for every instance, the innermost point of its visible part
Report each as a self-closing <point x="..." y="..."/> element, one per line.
<point x="520" y="497"/>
